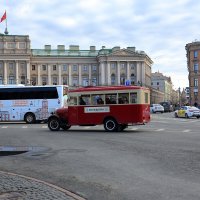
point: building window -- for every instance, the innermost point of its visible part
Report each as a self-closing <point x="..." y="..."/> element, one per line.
<point x="85" y="68"/>
<point x="157" y="83"/>
<point x="196" y="82"/>
<point x="1" y="80"/>
<point x="196" y="66"/>
<point x="34" y="80"/>
<point x="22" y="45"/>
<point x="74" y="68"/>
<point x="54" y="80"/>
<point x="11" y="45"/>
<point x="11" y="80"/>
<point x="75" y="81"/>
<point x="132" y="66"/>
<point x="54" y="67"/>
<point x="11" y="66"/>
<point x="33" y="67"/>
<point x="85" y="81"/>
<point x="23" y="80"/>
<point x="64" y="67"/>
<point x="122" y="66"/>
<point x="44" y="80"/>
<point x="64" y="80"/>
<point x="94" y="68"/>
<point x="122" y="79"/>
<point x="94" y="81"/>
<point x="44" y="67"/>
<point x="112" y="79"/>
<point x="195" y="54"/>
<point x="132" y="79"/>
<point x="113" y="65"/>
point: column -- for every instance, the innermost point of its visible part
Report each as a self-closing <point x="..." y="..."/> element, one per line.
<point x="59" y="75"/>
<point x="143" y="73"/>
<point x="17" y="71"/>
<point x="102" y="70"/>
<point x="49" y="74"/>
<point x="70" y="75"/>
<point x="90" y="75"/>
<point x="118" y="73"/>
<point x="137" y="72"/>
<point x="39" y="77"/>
<point x="5" y="73"/>
<point x="128" y="71"/>
<point x="79" y="75"/>
<point x="28" y="72"/>
<point x="108" y="74"/>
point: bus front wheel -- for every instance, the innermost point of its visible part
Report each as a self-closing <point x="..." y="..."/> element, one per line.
<point x="29" y="118"/>
<point x="54" y="124"/>
<point x="110" y="125"/>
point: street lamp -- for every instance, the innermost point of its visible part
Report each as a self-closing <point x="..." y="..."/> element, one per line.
<point x="179" y="95"/>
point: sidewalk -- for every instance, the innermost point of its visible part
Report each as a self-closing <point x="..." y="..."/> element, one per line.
<point x="19" y="187"/>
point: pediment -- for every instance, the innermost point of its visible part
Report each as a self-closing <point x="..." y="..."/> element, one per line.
<point x="123" y="52"/>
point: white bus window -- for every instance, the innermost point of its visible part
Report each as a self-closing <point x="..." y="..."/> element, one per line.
<point x="133" y="97"/>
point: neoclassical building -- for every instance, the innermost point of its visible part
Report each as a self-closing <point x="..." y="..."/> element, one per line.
<point x="19" y="64"/>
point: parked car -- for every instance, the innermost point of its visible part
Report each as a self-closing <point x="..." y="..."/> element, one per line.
<point x="168" y="107"/>
<point x="156" y="108"/>
<point x="187" y="112"/>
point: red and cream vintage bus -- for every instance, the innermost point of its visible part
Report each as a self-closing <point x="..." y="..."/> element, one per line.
<point x="116" y="107"/>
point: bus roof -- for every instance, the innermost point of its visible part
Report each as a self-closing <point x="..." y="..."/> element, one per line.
<point x="106" y="88"/>
<point x="28" y="86"/>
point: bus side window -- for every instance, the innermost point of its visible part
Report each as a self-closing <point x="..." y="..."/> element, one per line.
<point x="73" y="101"/>
<point x="111" y="98"/>
<point x="133" y="97"/>
<point x="84" y="100"/>
<point x="146" y="98"/>
<point x="123" y="98"/>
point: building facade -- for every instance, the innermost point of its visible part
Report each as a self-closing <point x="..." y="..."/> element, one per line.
<point x="193" y="63"/>
<point x="162" y="83"/>
<point x="19" y="64"/>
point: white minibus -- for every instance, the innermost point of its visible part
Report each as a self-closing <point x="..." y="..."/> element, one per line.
<point x="30" y="103"/>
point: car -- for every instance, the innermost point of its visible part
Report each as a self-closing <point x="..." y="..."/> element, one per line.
<point x="167" y="106"/>
<point x="187" y="112"/>
<point x="154" y="108"/>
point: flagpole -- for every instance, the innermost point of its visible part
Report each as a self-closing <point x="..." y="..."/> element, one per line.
<point x="6" y="30"/>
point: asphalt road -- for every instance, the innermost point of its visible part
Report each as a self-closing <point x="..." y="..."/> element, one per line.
<point x="160" y="160"/>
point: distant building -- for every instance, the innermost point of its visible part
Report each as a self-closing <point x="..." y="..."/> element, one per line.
<point x="74" y="67"/>
<point x="162" y="83"/>
<point x="193" y="63"/>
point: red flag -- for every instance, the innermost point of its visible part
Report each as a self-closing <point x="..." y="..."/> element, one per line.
<point x="3" y="17"/>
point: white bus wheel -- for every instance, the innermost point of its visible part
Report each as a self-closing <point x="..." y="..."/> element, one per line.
<point x="29" y="118"/>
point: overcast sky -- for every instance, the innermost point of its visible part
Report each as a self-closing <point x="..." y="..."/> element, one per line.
<point x="161" y="28"/>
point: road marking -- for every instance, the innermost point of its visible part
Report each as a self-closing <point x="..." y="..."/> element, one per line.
<point x="4" y="127"/>
<point x="24" y="126"/>
<point x="161" y="129"/>
<point x="186" y="131"/>
<point x="44" y="126"/>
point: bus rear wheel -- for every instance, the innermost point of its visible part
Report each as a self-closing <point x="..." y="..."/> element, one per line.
<point x="29" y="118"/>
<point x="54" y="124"/>
<point x="110" y="125"/>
